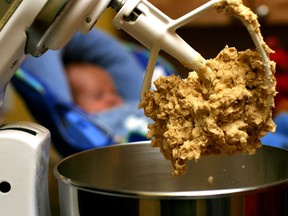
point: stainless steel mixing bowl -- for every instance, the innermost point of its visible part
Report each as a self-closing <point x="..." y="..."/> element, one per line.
<point x="135" y="179"/>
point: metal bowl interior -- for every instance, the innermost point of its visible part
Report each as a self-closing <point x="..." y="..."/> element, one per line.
<point x="138" y="170"/>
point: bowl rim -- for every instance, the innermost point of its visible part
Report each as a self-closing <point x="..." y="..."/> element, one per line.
<point x="202" y="194"/>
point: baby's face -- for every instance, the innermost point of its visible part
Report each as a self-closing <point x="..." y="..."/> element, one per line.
<point x="93" y="88"/>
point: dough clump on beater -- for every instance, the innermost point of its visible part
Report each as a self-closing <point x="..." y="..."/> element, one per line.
<point x="227" y="114"/>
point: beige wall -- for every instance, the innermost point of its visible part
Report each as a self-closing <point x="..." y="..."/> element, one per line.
<point x="278" y="10"/>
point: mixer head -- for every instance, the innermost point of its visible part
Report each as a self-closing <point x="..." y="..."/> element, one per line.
<point x="157" y="31"/>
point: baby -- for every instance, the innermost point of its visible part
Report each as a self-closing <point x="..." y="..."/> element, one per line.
<point x="95" y="92"/>
<point x="93" y="88"/>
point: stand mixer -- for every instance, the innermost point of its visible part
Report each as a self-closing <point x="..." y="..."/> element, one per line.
<point x="34" y="26"/>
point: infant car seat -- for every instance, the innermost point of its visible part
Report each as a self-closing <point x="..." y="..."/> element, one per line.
<point x="43" y="86"/>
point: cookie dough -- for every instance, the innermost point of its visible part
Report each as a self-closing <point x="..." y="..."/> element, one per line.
<point x="226" y="112"/>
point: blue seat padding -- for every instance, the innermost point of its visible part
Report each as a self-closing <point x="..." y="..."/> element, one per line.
<point x="43" y="85"/>
<point x="280" y="137"/>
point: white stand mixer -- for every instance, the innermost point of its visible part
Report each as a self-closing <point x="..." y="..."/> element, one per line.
<point x="24" y="150"/>
<point x="32" y="27"/>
